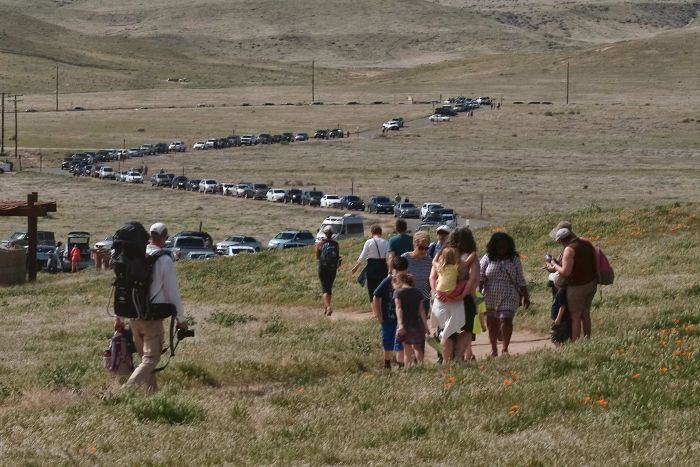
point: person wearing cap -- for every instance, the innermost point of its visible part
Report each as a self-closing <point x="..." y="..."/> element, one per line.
<point x="442" y="233"/>
<point x="327" y="267"/>
<point x="148" y="334"/>
<point x="578" y="267"/>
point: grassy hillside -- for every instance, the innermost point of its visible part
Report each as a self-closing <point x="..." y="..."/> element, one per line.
<point x="269" y="380"/>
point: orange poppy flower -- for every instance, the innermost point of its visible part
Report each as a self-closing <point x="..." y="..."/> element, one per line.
<point x="602" y="403"/>
<point x="508" y="382"/>
<point x="664" y="370"/>
<point x="586" y="398"/>
<point x="636" y="376"/>
<point x="515" y="408"/>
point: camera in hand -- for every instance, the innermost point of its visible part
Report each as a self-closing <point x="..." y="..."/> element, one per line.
<point x="184" y="333"/>
<point x="548" y="258"/>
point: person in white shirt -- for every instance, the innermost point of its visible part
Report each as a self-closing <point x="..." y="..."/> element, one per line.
<point x="374" y="252"/>
<point x="148" y="334"/>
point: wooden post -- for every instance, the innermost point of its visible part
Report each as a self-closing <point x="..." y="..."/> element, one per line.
<point x="481" y="208"/>
<point x="32" y="236"/>
<point x="2" y="124"/>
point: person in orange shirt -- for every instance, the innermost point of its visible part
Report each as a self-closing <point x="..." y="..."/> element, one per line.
<point x="74" y="258"/>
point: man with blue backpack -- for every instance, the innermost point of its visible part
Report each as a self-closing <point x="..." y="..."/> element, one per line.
<point x="328" y="256"/>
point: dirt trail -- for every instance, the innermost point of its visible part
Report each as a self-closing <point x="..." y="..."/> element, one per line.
<point x="521" y="342"/>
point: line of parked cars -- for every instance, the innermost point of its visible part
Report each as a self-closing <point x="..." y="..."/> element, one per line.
<point x="452" y="106"/>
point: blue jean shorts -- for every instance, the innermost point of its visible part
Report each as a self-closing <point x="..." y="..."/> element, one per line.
<point x="388" y="335"/>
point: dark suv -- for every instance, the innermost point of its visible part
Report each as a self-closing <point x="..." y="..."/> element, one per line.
<point x="293" y="196"/>
<point x="321" y="134"/>
<point x="379" y="204"/>
<point x="336" y="133"/>
<point x="256" y="191"/>
<point x="352" y="202"/>
<point x="208" y="241"/>
<point x="311" y="198"/>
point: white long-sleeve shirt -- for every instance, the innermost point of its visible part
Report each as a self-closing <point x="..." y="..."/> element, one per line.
<point x="164" y="286"/>
<point x="374" y="248"/>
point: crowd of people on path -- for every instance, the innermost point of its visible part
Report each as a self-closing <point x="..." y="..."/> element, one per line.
<point x="443" y="294"/>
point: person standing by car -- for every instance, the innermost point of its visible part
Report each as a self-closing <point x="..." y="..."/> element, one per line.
<point x="374" y="252"/>
<point x="74" y="258"/>
<point x="328" y="256"/>
<point x="148" y="334"/>
<point x="400" y="243"/>
<point x="59" y="256"/>
<point x="578" y="266"/>
<point x="504" y="287"/>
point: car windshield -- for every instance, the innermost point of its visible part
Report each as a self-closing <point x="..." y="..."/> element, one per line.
<point x="234" y="239"/>
<point x="407" y="206"/>
<point x="278" y="191"/>
<point x="353" y="198"/>
<point x="260" y="186"/>
<point x="335" y="227"/>
<point x="381" y="199"/>
<point x="305" y="236"/>
<point x="189" y="242"/>
<point x="284" y="236"/>
<point x="331" y="197"/>
<point x="315" y="194"/>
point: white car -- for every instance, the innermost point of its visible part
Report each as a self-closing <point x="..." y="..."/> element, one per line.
<point x="133" y="177"/>
<point x="177" y="146"/>
<point x="427" y="207"/>
<point x="330" y="201"/>
<point x="208" y="186"/>
<point x="211" y="143"/>
<point x="391" y="125"/>
<point x="234" y="250"/>
<point x="439" y="118"/>
<point x="199" y="145"/>
<point x="229" y="189"/>
<point x="106" y="172"/>
<point x="275" y="194"/>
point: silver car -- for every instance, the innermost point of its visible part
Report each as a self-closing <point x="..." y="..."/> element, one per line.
<point x="291" y="239"/>
<point x="237" y="240"/>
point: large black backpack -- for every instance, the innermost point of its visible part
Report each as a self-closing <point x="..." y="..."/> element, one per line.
<point x="329" y="259"/>
<point x="132" y="270"/>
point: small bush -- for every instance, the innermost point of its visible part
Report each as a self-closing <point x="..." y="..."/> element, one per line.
<point x="162" y="409"/>
<point x="230" y="319"/>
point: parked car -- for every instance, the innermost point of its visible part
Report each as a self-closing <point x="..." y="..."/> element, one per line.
<point x="352" y="202"/>
<point x="439" y="118"/>
<point x="301" y="137"/>
<point x="210" y="143"/>
<point x="380" y="204"/>
<point x="346" y="226"/>
<point x="43" y="252"/>
<point x="398" y="120"/>
<point x="291" y="237"/>
<point x="330" y="201"/>
<point x="133" y="177"/>
<point x="293" y="196"/>
<point x="275" y="194"/>
<point x="256" y="191"/>
<point x="177" y="146"/>
<point x="406" y="211"/>
<point x="193" y="184"/>
<point x="148" y="149"/>
<point x="179" y="182"/>
<point x="160" y="180"/>
<point x="445" y="111"/>
<point x="427" y="207"/>
<point x="183" y="245"/>
<point x="311" y="198"/>
<point x="199" y="145"/>
<point x="135" y="152"/>
<point x="391" y="125"/>
<point x="237" y="240"/>
<point x="264" y="138"/>
<point x="105" y="244"/>
<point x="208" y="241"/>
<point x="194" y="255"/>
<point x="288" y="137"/>
<point x="106" y="172"/>
<point x="20" y="238"/>
<point x="208" y="186"/>
<point x="248" y="140"/>
<point x="432" y="220"/>
<point x="228" y="189"/>
<point x="234" y="250"/>
<point x="82" y="241"/>
<point x="484" y="100"/>
<point x="321" y="134"/>
<point x="241" y="189"/>
<point x="162" y="148"/>
<point x="336" y="133"/>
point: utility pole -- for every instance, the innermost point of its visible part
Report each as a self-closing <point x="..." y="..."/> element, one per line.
<point x="313" y="81"/>
<point x="57" y="87"/>
<point x="567" y="82"/>
<point x="15" y="96"/>
<point x="2" y="126"/>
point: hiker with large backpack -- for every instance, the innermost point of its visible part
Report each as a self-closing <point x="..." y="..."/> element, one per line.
<point x="578" y="266"/>
<point x="146" y="292"/>
<point x="328" y="256"/>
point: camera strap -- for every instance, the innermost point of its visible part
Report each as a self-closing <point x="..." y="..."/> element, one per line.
<point x="173" y="343"/>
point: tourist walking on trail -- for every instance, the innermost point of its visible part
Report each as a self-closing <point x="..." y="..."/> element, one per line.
<point x="578" y="267"/>
<point x="503" y="284"/>
<point x="420" y="265"/>
<point x="401" y="242"/>
<point x="411" y="317"/>
<point x="328" y="256"/>
<point x="374" y="252"/>
<point x="384" y="308"/>
<point x="448" y="305"/>
<point x="443" y="232"/>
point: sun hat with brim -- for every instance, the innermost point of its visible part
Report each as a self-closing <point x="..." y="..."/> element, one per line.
<point x="560" y="225"/>
<point x="158" y="228"/>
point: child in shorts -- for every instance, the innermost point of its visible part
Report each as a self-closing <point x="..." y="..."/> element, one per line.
<point x="412" y="322"/>
<point x="384" y="309"/>
<point x="561" y="327"/>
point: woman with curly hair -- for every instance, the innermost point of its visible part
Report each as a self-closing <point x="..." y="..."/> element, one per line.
<point x="504" y="287"/>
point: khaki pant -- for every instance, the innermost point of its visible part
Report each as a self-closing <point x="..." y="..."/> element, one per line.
<point x="148" y="338"/>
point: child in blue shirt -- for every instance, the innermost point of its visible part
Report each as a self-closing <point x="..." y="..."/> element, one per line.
<point x="384" y="308"/>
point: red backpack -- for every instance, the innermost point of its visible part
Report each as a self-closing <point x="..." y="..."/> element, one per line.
<point x="606" y="274"/>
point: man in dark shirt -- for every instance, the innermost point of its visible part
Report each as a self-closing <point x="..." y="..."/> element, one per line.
<point x="400" y="243"/>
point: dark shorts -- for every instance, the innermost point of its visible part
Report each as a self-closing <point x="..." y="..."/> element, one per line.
<point x="327" y="279"/>
<point x="388" y="336"/>
<point x="413" y="336"/>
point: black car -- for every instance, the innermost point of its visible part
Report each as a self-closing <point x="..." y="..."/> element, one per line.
<point x="180" y="182"/>
<point x="162" y="148"/>
<point x="380" y="204"/>
<point x="293" y="196"/>
<point x="274" y="139"/>
<point x="65" y="165"/>
<point x="352" y="202"/>
<point x="193" y="185"/>
<point x="234" y="140"/>
<point x="321" y="134"/>
<point x="264" y="138"/>
<point x="336" y="133"/>
<point x="311" y="198"/>
<point x="288" y="137"/>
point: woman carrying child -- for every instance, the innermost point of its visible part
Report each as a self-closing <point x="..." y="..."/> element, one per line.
<point x="410" y="314"/>
<point x="448" y="305"/>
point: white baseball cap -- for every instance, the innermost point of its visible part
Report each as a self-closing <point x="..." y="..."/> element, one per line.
<point x="562" y="234"/>
<point x="443" y="228"/>
<point x="327" y="229"/>
<point x="158" y="228"/>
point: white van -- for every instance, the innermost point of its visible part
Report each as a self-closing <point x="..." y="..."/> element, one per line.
<point x="347" y="226"/>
